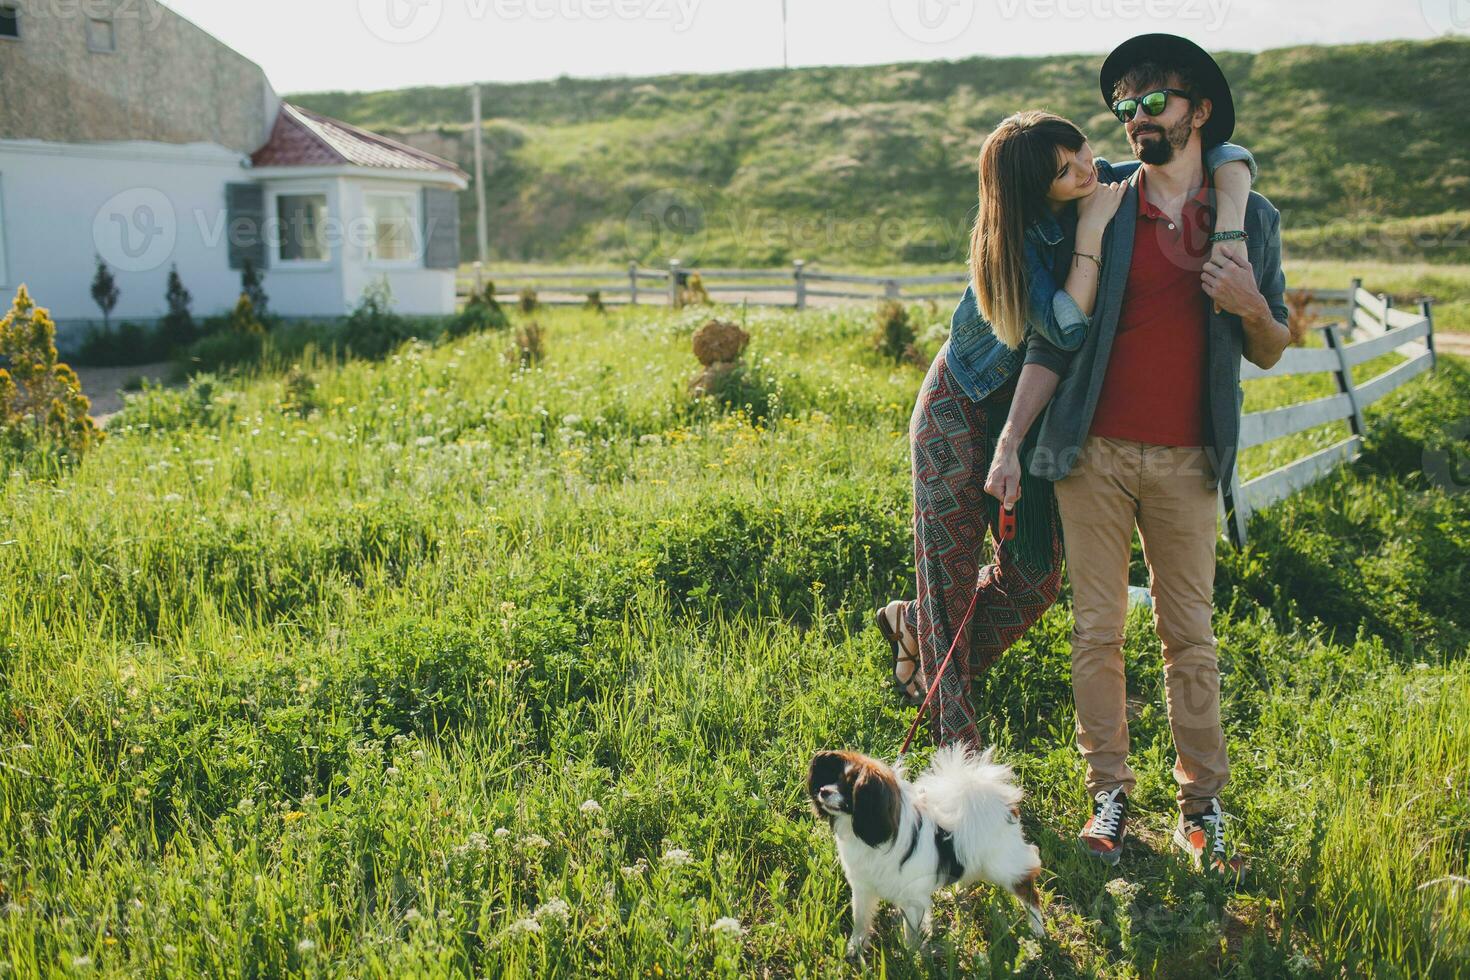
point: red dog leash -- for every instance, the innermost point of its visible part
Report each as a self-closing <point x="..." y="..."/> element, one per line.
<point x="1005" y="532"/>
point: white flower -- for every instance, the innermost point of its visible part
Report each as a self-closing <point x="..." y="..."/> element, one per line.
<point x="425" y="441"/>
<point x="172" y="498"/>
<point x="535" y="840"/>
<point x="1030" y="950"/>
<point x="81" y="962"/>
<point x="524" y="925"/>
<point x="169" y="949"/>
<point x="501" y="833"/>
<point x="677" y="857"/>
<point x="305" y="946"/>
<point x="556" y="909"/>
<point x="1121" y="889"/>
<point x="650" y="439"/>
<point x="412" y="915"/>
<point x="729" y="925"/>
<point x="571" y="420"/>
<point x="635" y="869"/>
<point x="590" y="807"/>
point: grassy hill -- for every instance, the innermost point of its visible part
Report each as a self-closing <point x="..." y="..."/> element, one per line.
<point x="1363" y="147"/>
<point x="315" y="675"/>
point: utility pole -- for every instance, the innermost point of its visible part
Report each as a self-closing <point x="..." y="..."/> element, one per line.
<point x="481" y="235"/>
<point x="784" y="63"/>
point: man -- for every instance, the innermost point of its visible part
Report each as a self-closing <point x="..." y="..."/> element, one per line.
<point x="1143" y="427"/>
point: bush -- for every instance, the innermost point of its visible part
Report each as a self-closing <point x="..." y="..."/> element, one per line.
<point x="373" y="329"/>
<point x="130" y="343"/>
<point x="894" y="335"/>
<point x="481" y="312"/>
<point x="218" y="351"/>
<point x="160" y="409"/>
<point x="528" y="302"/>
<point x="41" y="402"/>
<point x="176" y="329"/>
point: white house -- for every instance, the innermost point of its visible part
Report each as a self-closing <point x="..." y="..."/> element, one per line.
<point x="128" y="133"/>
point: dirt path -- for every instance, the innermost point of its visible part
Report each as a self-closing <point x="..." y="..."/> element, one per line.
<point x="104" y="385"/>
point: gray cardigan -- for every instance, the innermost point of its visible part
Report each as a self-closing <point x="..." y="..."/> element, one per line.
<point x="1063" y="429"/>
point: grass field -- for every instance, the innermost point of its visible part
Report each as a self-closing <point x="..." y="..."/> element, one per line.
<point x="451" y="668"/>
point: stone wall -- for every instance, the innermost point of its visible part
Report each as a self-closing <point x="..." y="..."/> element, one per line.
<point x="166" y="80"/>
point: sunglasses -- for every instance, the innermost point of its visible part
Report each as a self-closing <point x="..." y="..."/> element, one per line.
<point x="1153" y="103"/>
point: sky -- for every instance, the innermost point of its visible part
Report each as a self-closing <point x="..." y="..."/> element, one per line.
<point x="311" y="45"/>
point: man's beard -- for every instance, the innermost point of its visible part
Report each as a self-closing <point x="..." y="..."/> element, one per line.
<point x="1159" y="152"/>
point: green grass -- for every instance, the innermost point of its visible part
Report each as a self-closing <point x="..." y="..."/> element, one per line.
<point x="328" y="696"/>
<point x="1361" y="147"/>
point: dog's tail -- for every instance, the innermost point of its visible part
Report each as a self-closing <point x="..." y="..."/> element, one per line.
<point x="959" y="778"/>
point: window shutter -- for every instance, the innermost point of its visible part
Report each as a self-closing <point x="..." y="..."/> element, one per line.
<point x="245" y="224"/>
<point x="441" y="228"/>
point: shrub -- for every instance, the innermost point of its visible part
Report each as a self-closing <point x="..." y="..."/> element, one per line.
<point x="300" y="392"/>
<point x="104" y="291"/>
<point x="692" y="291"/>
<point x="374" y="330"/>
<point x="243" y="319"/>
<point x="894" y="336"/>
<point x="130" y="343"/>
<point x="528" y="301"/>
<point x="594" y="302"/>
<point x="41" y="400"/>
<point x="481" y="312"/>
<point x="176" y="329"/>
<point x="217" y="351"/>
<point x="252" y="284"/>
<point x="160" y="409"/>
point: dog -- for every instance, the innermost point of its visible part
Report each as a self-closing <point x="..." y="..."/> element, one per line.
<point x="902" y="841"/>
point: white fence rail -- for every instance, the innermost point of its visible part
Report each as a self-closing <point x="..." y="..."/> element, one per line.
<point x="1379" y="329"/>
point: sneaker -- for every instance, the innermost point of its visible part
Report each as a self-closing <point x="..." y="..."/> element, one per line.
<point x="1203" y="834"/>
<point x="1103" y="833"/>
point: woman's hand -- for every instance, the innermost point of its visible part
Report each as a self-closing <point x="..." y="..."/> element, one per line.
<point x="1096" y="209"/>
<point x="1003" y="482"/>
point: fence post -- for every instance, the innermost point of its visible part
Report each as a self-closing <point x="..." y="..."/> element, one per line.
<point x="673" y="284"/>
<point x="1425" y="307"/>
<point x="633" y="283"/>
<point x="1349" y="325"/>
<point x="890" y="289"/>
<point x="798" y="274"/>
<point x="1344" y="375"/>
<point x="479" y="277"/>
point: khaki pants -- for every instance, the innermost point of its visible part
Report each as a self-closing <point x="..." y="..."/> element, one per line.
<point x="1117" y="484"/>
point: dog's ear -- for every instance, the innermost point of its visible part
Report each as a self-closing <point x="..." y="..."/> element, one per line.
<point x="875" y="805"/>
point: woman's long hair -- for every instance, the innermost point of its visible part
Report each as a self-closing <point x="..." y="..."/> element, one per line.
<point x="1017" y="165"/>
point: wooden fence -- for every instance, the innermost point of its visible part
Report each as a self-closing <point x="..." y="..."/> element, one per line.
<point x="1376" y="329"/>
<point x="1365" y="326"/>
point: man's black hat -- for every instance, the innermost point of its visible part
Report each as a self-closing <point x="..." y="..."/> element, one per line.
<point x="1171" y="49"/>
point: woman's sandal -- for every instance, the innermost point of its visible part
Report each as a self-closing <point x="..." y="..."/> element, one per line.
<point x="911" y="689"/>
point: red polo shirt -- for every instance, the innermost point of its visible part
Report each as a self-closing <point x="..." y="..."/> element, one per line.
<point x="1154" y="389"/>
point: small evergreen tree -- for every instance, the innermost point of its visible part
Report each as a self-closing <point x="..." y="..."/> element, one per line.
<point x="177" y="328"/>
<point x="243" y="318"/>
<point x="41" y="399"/>
<point x="104" y="292"/>
<point x="252" y="284"/>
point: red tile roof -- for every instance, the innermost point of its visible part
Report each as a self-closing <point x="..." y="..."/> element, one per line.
<point x="302" y="138"/>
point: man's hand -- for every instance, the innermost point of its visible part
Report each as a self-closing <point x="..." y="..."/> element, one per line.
<point x="1004" y="480"/>
<point x="1229" y="280"/>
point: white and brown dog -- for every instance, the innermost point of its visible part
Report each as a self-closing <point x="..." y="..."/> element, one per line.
<point x="902" y="841"/>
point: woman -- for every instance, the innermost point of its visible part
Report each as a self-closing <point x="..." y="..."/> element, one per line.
<point x="1035" y="260"/>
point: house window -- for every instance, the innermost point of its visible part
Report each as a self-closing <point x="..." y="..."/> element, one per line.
<point x="302" y="220"/>
<point x="10" y="21"/>
<point x="391" y="218"/>
<point x="100" y="36"/>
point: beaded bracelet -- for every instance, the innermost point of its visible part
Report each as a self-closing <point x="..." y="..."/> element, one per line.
<point x="1228" y="236"/>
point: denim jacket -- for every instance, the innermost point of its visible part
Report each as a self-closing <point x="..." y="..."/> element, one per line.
<point x="976" y="358"/>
